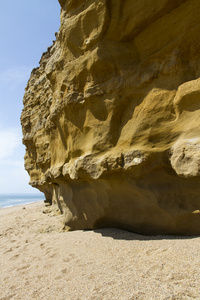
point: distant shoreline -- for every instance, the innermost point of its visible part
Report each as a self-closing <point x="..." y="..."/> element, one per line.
<point x="18" y="199"/>
<point x="18" y="205"/>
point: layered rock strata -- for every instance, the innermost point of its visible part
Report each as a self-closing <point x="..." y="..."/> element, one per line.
<point x="111" y="116"/>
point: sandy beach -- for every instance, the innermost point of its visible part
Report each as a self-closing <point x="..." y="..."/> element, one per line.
<point x="41" y="261"/>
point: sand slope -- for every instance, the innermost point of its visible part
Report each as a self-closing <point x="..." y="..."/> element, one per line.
<point x="40" y="261"/>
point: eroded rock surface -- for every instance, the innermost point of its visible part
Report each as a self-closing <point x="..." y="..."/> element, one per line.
<point x="111" y="116"/>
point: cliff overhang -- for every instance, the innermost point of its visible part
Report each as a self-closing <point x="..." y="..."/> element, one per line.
<point x="111" y="116"/>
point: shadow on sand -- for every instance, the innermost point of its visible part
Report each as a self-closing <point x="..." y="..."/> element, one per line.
<point x="121" y="234"/>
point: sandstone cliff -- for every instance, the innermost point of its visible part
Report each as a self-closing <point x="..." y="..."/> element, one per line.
<point x="111" y="116"/>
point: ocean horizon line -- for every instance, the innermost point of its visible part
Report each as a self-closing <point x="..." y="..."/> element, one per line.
<point x="21" y="193"/>
<point x="16" y="199"/>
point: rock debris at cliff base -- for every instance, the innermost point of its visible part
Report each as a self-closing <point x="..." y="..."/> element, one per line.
<point x="111" y="116"/>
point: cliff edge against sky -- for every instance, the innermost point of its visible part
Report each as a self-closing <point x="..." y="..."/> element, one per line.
<point x="111" y="116"/>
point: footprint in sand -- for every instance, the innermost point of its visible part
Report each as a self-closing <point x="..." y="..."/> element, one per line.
<point x="59" y="277"/>
<point x="53" y="255"/>
<point x="8" y="297"/>
<point x="48" y="250"/>
<point x="64" y="271"/>
<point x="156" y="268"/>
<point x="23" y="268"/>
<point x="156" y="251"/>
<point x="15" y="256"/>
<point x="13" y="241"/>
<point x="49" y="266"/>
<point x="69" y="258"/>
<point x="23" y="248"/>
<point x="66" y="260"/>
<point x="13" y="287"/>
<point x="175" y="277"/>
<point x="9" y="250"/>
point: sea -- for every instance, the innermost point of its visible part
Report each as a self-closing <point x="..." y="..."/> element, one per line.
<point x="9" y="200"/>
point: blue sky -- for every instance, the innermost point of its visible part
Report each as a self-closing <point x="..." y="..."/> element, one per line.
<point x="26" y="30"/>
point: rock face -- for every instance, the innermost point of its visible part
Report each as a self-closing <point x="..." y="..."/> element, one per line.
<point x="111" y="116"/>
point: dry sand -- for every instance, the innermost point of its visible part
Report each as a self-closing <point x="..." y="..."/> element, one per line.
<point x="40" y="261"/>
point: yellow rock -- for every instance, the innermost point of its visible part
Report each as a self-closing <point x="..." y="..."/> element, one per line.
<point x="111" y="116"/>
